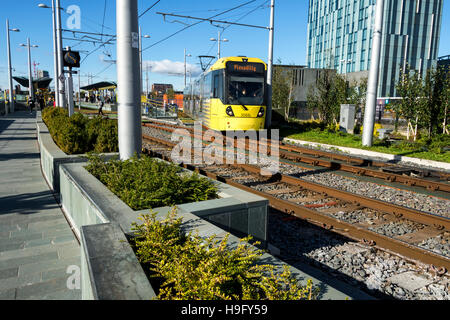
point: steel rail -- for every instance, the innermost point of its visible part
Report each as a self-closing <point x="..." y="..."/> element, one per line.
<point x="349" y="230"/>
<point x="294" y="153"/>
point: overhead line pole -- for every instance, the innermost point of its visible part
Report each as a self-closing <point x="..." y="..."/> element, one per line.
<point x="270" y="67"/>
<point x="55" y="55"/>
<point x="128" y="81"/>
<point x="59" y="53"/>
<point x="372" y="84"/>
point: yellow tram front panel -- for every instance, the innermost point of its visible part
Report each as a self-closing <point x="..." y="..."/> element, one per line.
<point x="242" y="120"/>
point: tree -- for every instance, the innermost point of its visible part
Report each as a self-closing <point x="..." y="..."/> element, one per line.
<point x="445" y="102"/>
<point x="327" y="96"/>
<point x="282" y="89"/>
<point x="436" y="90"/>
<point x="411" y="89"/>
<point x="359" y="95"/>
<point x="424" y="102"/>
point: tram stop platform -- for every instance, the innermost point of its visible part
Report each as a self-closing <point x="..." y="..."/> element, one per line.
<point x="39" y="254"/>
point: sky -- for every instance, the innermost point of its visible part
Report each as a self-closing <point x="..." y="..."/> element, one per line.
<point x="164" y="58"/>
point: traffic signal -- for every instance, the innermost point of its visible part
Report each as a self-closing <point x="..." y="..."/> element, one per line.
<point x="71" y="59"/>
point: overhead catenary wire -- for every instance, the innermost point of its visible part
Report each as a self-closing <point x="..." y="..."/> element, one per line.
<point x="191" y="25"/>
<point x="148" y="9"/>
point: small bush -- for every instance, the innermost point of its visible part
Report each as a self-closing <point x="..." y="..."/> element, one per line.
<point x="144" y="183"/>
<point x="107" y="138"/>
<point x="187" y="267"/>
<point x="78" y="134"/>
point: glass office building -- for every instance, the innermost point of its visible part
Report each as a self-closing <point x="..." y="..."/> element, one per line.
<point x="340" y="37"/>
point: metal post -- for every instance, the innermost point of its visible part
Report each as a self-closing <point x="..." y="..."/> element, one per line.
<point x="128" y="82"/>
<point x="70" y="92"/>
<point x="218" y="51"/>
<point x="30" y="75"/>
<point x="11" y="96"/>
<point x="372" y="84"/>
<point x="79" y="90"/>
<point x="59" y="51"/>
<point x="55" y="55"/>
<point x="185" y="67"/>
<point x="140" y="59"/>
<point x="270" y="68"/>
<point x="146" y="71"/>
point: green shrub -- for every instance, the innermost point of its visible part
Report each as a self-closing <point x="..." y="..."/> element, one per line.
<point x="188" y="267"/>
<point x="145" y="182"/>
<point x="107" y="138"/>
<point x="93" y="128"/>
<point x="78" y="134"/>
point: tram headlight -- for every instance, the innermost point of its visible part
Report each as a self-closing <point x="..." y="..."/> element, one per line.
<point x="230" y="112"/>
<point x="261" y="113"/>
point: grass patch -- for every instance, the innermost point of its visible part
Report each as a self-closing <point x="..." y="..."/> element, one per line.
<point x="437" y="148"/>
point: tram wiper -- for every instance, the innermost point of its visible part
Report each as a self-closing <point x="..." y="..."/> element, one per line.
<point x="243" y="105"/>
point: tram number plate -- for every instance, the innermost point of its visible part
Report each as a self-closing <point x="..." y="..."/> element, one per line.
<point x="245" y="115"/>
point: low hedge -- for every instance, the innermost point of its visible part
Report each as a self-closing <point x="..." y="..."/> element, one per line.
<point x="186" y="267"/>
<point x="145" y="182"/>
<point x="78" y="134"/>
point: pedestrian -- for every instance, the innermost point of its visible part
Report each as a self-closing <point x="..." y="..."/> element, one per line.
<point x="41" y="103"/>
<point x="31" y="105"/>
<point x="100" y="107"/>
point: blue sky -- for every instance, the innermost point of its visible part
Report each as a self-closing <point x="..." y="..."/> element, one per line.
<point x="289" y="46"/>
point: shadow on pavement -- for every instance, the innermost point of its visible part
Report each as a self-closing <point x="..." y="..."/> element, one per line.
<point x="27" y="203"/>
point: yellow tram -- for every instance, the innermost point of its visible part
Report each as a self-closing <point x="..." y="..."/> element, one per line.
<point x="230" y="95"/>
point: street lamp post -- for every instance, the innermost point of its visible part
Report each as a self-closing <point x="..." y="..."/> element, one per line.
<point x="55" y="49"/>
<point x="140" y="55"/>
<point x="185" y="55"/>
<point x="219" y="40"/>
<point x="11" y="95"/>
<point x="30" y="75"/>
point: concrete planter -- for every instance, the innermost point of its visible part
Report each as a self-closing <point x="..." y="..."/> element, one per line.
<point x="52" y="156"/>
<point x="110" y="269"/>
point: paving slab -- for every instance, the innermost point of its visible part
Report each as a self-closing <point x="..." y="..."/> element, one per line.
<point x="36" y="242"/>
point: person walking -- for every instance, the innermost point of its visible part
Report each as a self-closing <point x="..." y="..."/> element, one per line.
<point x="100" y="107"/>
<point x="31" y="105"/>
<point x="41" y="103"/>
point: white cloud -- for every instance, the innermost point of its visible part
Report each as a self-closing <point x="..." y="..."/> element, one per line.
<point x="173" y="68"/>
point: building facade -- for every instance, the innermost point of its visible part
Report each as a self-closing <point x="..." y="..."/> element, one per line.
<point x="340" y="37"/>
<point x="301" y="79"/>
<point x="161" y="88"/>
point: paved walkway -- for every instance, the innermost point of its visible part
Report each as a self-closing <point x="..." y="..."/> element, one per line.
<point x="36" y="243"/>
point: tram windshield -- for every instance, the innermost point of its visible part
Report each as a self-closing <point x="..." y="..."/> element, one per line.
<point x="246" y="90"/>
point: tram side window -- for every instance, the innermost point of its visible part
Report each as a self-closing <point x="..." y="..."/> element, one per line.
<point x="217" y="86"/>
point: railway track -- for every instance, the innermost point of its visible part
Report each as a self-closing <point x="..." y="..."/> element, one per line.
<point x="336" y="162"/>
<point x="333" y="209"/>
